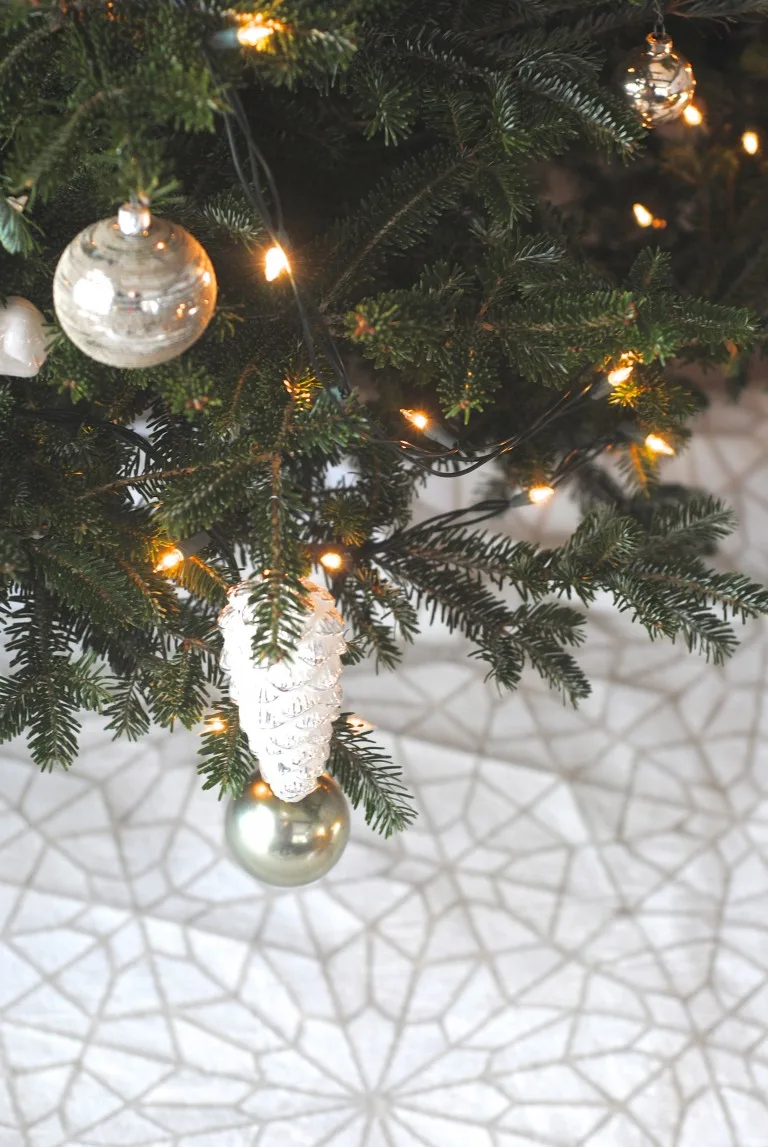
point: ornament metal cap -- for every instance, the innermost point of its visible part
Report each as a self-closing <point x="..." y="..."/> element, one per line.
<point x="134" y="218"/>
<point x="660" y="45"/>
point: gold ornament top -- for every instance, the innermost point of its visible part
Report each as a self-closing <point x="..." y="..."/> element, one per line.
<point x="657" y="82"/>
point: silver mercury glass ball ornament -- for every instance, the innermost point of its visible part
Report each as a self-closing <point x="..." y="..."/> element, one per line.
<point x="287" y="843"/>
<point x="135" y="290"/>
<point x="657" y="82"/>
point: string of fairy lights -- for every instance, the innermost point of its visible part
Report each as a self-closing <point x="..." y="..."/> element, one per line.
<point x="254" y="32"/>
<point x="750" y="142"/>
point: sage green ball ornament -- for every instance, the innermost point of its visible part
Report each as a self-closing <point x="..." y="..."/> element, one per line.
<point x="135" y="290"/>
<point x="287" y="843"/>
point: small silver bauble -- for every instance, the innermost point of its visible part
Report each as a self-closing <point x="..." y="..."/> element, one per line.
<point x="23" y="338"/>
<point x="657" y="82"/>
<point x="135" y="290"/>
<point x="287" y="843"/>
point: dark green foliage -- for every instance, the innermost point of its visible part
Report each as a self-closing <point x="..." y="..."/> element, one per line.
<point x="225" y="759"/>
<point x="370" y="779"/>
<point x="409" y="151"/>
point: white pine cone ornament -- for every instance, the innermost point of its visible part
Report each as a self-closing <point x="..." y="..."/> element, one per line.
<point x="287" y="709"/>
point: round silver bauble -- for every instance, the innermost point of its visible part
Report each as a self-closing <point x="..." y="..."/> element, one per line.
<point x="134" y="291"/>
<point x="287" y="843"/>
<point x="657" y="83"/>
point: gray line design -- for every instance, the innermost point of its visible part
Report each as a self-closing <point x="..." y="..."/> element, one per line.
<point x="570" y="948"/>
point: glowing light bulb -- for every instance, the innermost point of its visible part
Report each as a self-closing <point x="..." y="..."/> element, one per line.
<point x="254" y="31"/>
<point x="215" y="725"/>
<point x="643" y="216"/>
<point x="275" y="262"/>
<point x="331" y="560"/>
<point x="750" y="141"/>
<point x="659" y="445"/>
<point x="170" y="560"/>
<point x="539" y="495"/>
<point x="622" y="372"/>
<point x="693" y="115"/>
<point x="416" y="418"/>
<point x="358" y="725"/>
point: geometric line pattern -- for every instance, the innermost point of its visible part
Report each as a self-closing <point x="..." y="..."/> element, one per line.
<point x="569" y="949"/>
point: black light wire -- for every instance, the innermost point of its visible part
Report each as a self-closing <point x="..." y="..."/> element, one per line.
<point x="427" y="460"/>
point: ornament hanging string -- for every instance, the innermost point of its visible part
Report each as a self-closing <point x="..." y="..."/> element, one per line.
<point x="659" y="28"/>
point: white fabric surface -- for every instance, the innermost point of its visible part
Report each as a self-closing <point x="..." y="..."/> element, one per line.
<point x="568" y="950"/>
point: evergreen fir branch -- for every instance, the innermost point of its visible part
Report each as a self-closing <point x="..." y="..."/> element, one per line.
<point x="736" y="595"/>
<point x="387" y="104"/>
<point x="610" y="121"/>
<point x="538" y="634"/>
<point x="542" y="631"/>
<point x="501" y="559"/>
<point x="652" y="272"/>
<point x="226" y="760"/>
<point x="202" y="580"/>
<point x="640" y="467"/>
<point x="228" y="212"/>
<point x="603" y="538"/>
<point x="15" y="233"/>
<point x="176" y="687"/>
<point x="44" y="700"/>
<point x="196" y="502"/>
<point x="90" y="583"/>
<point x="369" y="778"/>
<point x="126" y="710"/>
<point x="719" y="9"/>
<point x="21" y="49"/>
<point x="554" y="51"/>
<point x="421" y="190"/>
<point x="697" y="523"/>
<point x="377" y="612"/>
<point x="278" y="599"/>
<point x="458" y="598"/>
<point x="505" y="657"/>
<point x="61" y="138"/>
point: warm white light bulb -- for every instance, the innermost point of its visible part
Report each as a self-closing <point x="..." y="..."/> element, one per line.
<point x="621" y="373"/>
<point x="254" y="31"/>
<point x="693" y="115"/>
<point x="659" y="445"/>
<point x="215" y="724"/>
<point x="416" y="418"/>
<point x="331" y="560"/>
<point x="539" y="495"/>
<point x="169" y="560"/>
<point x="358" y="725"/>
<point x="643" y="216"/>
<point x="275" y="262"/>
<point x="750" y="141"/>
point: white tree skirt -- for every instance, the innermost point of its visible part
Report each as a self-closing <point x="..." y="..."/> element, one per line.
<point x="570" y="948"/>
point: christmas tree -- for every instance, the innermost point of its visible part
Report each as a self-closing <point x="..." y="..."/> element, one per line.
<point x="421" y="221"/>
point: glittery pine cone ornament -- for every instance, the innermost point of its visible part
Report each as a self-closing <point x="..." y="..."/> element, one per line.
<point x="287" y="708"/>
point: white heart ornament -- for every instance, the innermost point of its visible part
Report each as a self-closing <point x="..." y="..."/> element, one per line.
<point x="22" y="338"/>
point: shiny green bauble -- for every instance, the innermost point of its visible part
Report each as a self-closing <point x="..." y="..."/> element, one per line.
<point x="287" y="843"/>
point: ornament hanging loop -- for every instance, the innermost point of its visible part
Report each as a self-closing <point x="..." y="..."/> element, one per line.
<point x="659" y="28"/>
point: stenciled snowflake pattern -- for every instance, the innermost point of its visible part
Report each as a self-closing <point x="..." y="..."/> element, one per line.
<point x="569" y="949"/>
